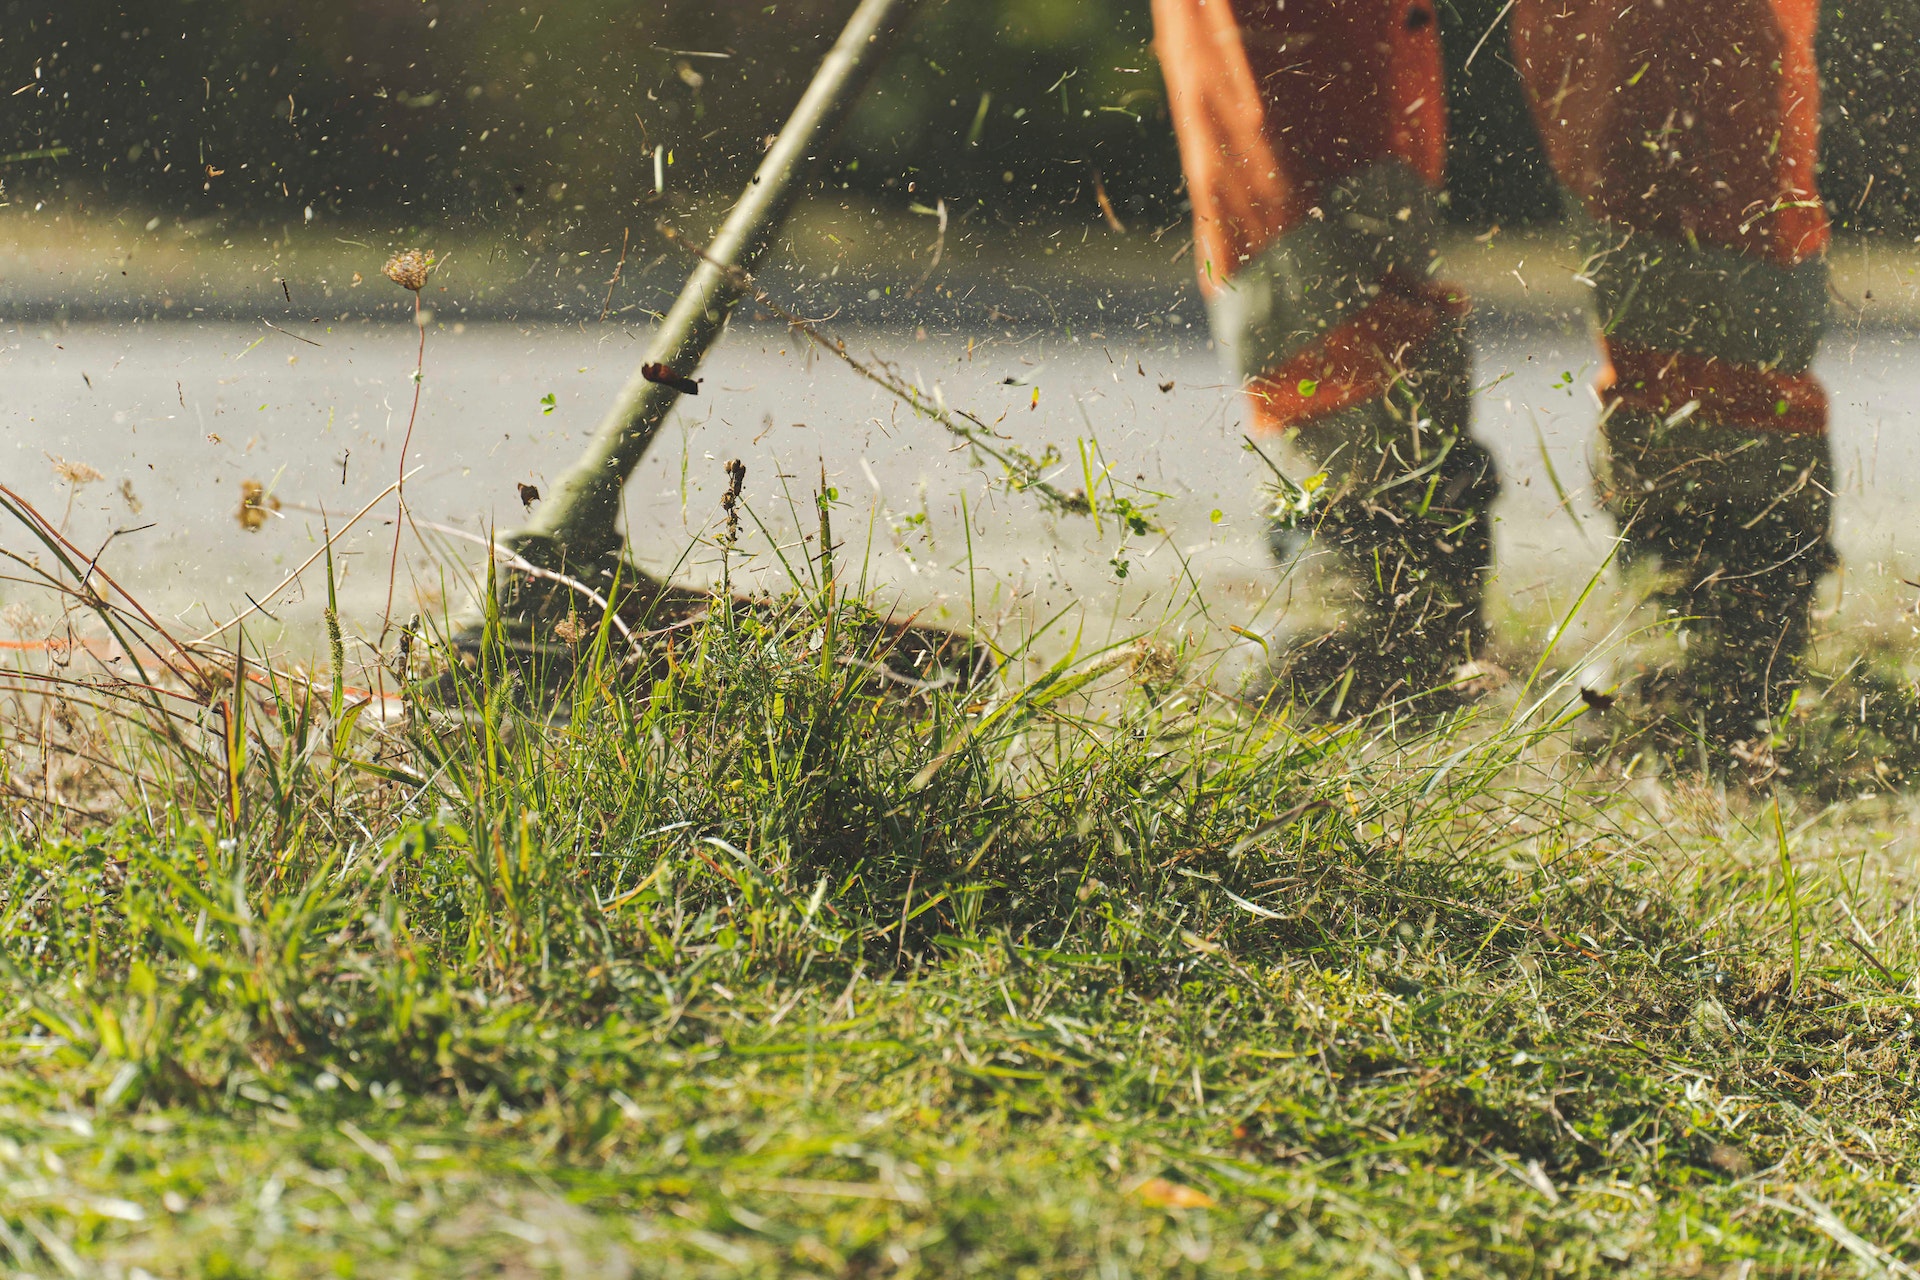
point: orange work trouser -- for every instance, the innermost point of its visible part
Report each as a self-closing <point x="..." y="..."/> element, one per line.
<point x="1313" y="135"/>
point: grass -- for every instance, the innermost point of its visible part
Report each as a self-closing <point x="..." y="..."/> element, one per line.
<point x="761" y="964"/>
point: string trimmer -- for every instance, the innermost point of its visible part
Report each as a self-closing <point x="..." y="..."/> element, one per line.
<point x="574" y="540"/>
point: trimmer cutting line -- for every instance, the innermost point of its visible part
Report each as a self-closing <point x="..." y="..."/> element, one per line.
<point x="575" y="531"/>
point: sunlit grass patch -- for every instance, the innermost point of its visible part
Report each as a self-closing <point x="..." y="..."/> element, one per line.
<point x="759" y="961"/>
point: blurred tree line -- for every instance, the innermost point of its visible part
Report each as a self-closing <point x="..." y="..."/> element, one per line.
<point x="544" y="116"/>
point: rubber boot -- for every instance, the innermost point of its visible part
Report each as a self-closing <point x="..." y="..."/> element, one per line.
<point x="1401" y="514"/>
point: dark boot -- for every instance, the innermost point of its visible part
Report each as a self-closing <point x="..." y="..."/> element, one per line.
<point x="1402" y="514"/>
<point x="1739" y="523"/>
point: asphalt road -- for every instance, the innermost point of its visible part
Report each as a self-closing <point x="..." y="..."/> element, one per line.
<point x="176" y="416"/>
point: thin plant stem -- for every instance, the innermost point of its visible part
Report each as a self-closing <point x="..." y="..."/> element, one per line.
<point x="400" y="485"/>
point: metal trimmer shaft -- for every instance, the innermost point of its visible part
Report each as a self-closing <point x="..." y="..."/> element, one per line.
<point x="577" y="529"/>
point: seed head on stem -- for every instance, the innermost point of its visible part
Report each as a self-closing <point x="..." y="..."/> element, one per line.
<point x="408" y="269"/>
<point x="730" y="503"/>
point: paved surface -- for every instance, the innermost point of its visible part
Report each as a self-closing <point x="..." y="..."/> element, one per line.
<point x="176" y="415"/>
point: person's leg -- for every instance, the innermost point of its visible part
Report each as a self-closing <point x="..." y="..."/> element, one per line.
<point x="1313" y="136"/>
<point x="1687" y="133"/>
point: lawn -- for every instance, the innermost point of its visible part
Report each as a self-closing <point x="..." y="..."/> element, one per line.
<point x="762" y="961"/>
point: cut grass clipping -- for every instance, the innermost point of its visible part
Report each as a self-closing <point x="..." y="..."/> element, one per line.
<point x="764" y="964"/>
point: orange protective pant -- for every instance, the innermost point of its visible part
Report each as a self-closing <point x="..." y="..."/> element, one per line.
<point x="1313" y="135"/>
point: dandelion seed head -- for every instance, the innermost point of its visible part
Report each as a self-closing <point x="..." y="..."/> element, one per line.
<point x="75" y="473"/>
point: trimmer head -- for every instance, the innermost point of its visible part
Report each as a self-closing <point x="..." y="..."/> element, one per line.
<point x="542" y="631"/>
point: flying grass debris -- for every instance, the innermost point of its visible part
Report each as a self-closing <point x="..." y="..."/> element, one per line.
<point x="256" y="504"/>
<point x="1023" y="471"/>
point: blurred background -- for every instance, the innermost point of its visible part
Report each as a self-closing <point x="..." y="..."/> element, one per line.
<point x="539" y="119"/>
<point x="1003" y="219"/>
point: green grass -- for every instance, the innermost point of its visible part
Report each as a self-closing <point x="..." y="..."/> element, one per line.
<point x="758" y="967"/>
